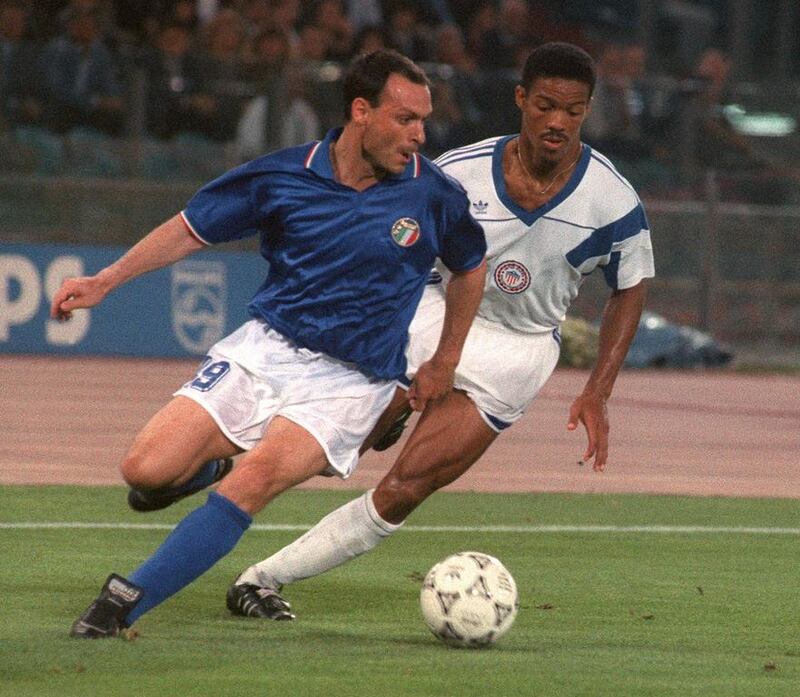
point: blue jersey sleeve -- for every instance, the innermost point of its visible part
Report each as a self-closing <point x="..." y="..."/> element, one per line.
<point x="223" y="209"/>
<point x="464" y="242"/>
<point x="623" y="245"/>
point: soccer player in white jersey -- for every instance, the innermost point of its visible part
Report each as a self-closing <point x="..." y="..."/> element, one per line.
<point x="350" y="226"/>
<point x="553" y="211"/>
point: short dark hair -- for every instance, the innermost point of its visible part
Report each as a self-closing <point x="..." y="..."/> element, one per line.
<point x="367" y="75"/>
<point x="559" y="59"/>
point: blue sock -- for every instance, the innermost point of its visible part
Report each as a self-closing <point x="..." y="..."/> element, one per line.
<point x="199" y="541"/>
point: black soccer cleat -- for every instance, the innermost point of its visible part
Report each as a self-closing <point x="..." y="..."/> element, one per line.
<point x="393" y="434"/>
<point x="249" y="600"/>
<point x="156" y="499"/>
<point x="105" y="617"/>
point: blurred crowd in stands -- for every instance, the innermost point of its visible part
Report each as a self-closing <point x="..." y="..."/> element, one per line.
<point x="253" y="75"/>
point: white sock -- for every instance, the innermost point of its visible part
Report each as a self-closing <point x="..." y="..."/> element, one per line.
<point x="346" y="533"/>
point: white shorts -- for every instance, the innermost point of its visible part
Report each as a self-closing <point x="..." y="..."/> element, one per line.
<point x="501" y="370"/>
<point x="256" y="373"/>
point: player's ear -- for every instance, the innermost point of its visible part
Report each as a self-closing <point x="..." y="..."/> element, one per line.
<point x="359" y="111"/>
<point x="519" y="96"/>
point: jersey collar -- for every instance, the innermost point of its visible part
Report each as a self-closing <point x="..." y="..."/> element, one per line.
<point x="530" y="217"/>
<point x="318" y="159"/>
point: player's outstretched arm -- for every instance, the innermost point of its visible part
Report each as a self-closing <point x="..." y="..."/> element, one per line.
<point x="434" y="378"/>
<point x="166" y="244"/>
<point x="617" y="329"/>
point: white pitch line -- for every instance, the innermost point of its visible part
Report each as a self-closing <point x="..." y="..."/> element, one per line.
<point x="524" y="529"/>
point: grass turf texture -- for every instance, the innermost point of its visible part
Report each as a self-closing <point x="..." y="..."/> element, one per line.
<point x="602" y="613"/>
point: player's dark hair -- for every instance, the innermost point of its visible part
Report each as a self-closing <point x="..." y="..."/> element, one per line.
<point x="367" y="75"/>
<point x="562" y="60"/>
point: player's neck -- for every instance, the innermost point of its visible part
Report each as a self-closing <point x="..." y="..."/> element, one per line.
<point x="531" y="188"/>
<point x="543" y="170"/>
<point x="349" y="165"/>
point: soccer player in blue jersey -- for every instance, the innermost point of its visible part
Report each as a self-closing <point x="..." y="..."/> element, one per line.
<point x="350" y="226"/>
<point x="553" y="210"/>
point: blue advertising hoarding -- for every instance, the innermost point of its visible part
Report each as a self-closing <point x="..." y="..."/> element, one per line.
<point x="177" y="311"/>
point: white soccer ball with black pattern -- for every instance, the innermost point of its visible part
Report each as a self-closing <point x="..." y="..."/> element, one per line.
<point x="469" y="599"/>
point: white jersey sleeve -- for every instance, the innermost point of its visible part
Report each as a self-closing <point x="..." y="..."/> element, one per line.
<point x="537" y="260"/>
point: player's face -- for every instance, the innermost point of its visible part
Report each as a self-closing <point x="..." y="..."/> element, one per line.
<point x="394" y="129"/>
<point x="553" y="111"/>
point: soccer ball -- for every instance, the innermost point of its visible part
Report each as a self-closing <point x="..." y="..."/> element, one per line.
<point x="469" y="599"/>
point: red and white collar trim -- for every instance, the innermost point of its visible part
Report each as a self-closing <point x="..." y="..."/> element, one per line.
<point x="415" y="163"/>
<point x="311" y="154"/>
<point x="416" y="169"/>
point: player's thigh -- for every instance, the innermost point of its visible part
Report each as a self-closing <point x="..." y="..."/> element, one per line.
<point x="447" y="440"/>
<point x="173" y="445"/>
<point x="287" y="455"/>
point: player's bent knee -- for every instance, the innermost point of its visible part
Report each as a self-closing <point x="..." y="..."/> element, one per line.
<point x="143" y="472"/>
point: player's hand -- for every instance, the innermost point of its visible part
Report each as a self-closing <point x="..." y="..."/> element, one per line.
<point x="590" y="410"/>
<point x="75" y="294"/>
<point x="432" y="381"/>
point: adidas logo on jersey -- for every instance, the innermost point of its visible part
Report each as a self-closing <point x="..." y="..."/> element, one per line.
<point x="480" y="207"/>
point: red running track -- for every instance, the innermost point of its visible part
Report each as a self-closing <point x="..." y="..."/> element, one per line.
<point x="70" y="420"/>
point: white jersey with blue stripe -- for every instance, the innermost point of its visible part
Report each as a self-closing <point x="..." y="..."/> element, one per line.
<point x="537" y="260"/>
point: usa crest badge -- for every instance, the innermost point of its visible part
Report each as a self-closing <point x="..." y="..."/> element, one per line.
<point x="512" y="277"/>
<point x="405" y="232"/>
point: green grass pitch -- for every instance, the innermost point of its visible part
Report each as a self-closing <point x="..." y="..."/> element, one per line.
<point x="705" y="605"/>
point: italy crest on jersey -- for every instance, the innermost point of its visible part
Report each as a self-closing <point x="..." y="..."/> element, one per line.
<point x="405" y="232"/>
<point x="512" y="277"/>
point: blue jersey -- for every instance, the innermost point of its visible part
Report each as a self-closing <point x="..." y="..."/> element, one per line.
<point x="346" y="268"/>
